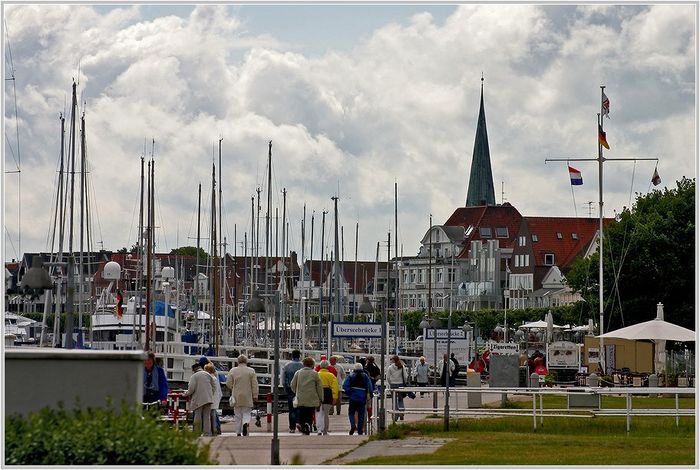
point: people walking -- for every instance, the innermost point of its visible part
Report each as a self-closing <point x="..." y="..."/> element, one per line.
<point x="358" y="387"/>
<point x="397" y="377"/>
<point x="289" y="370"/>
<point x="200" y="393"/>
<point x="455" y="372"/>
<point x="340" y="375"/>
<point x="215" y="422"/>
<point x="155" y="383"/>
<point x="446" y="367"/>
<point x="421" y="373"/>
<point x="330" y="396"/>
<point x="373" y="370"/>
<point x="307" y="386"/>
<point x="243" y="383"/>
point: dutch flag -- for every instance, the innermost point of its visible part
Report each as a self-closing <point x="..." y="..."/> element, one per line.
<point x="575" y="175"/>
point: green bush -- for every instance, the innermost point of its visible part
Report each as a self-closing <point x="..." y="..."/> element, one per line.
<point x="99" y="436"/>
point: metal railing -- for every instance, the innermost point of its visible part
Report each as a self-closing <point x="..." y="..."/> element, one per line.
<point x="538" y="409"/>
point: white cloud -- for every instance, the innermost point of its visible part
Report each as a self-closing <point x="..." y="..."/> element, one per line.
<point x="399" y="106"/>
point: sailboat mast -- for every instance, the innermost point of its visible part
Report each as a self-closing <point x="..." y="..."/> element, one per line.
<point x="311" y="271"/>
<point x="323" y="278"/>
<point x="222" y="262"/>
<point x="81" y="264"/>
<point x="267" y="239"/>
<point x="70" y="290"/>
<point x="601" y="353"/>
<point x="147" y="344"/>
<point x="139" y="254"/>
<point x="336" y="264"/>
<point x="214" y="266"/>
<point x="199" y="239"/>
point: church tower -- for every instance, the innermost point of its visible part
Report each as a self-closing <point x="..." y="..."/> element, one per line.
<point x="480" y="191"/>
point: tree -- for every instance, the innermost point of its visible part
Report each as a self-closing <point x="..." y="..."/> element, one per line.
<point x="190" y="251"/>
<point x="648" y="258"/>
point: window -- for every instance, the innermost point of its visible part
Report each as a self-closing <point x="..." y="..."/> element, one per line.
<point x="574" y="236"/>
<point x="534" y="237"/>
<point x="559" y="236"/>
<point x="517" y="261"/>
<point x="439" y="275"/>
<point x="485" y="232"/>
<point x="450" y="274"/>
<point x="526" y="260"/>
<point x="501" y="232"/>
<point x="468" y="231"/>
<point x="413" y="276"/>
<point x="421" y="276"/>
<point x="549" y="259"/>
<point x="405" y="277"/>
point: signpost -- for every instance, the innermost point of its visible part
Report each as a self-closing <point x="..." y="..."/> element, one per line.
<point x="459" y="344"/>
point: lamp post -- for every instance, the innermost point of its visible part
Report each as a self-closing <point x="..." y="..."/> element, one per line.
<point x="35" y="280"/>
<point x="366" y="308"/>
<point x="255" y="305"/>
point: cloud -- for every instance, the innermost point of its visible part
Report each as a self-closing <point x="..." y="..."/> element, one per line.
<point x="400" y="105"/>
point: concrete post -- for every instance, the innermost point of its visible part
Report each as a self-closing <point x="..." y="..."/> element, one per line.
<point x="534" y="380"/>
<point x="653" y="382"/>
<point x="593" y="380"/>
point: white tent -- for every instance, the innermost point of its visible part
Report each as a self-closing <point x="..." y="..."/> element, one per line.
<point x="657" y="330"/>
<point x="538" y="324"/>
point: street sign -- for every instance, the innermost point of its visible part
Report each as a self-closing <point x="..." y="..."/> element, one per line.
<point x="459" y="345"/>
<point x="356" y="330"/>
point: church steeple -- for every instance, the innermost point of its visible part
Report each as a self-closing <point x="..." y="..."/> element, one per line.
<point x="481" y="192"/>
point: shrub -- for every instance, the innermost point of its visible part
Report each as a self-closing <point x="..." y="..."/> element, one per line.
<point x="100" y="436"/>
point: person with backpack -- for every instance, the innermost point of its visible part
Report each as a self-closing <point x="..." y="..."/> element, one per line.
<point x="358" y="387"/>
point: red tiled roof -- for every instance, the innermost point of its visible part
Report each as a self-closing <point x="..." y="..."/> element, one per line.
<point x="567" y="248"/>
<point x="365" y="270"/>
<point x="492" y="217"/>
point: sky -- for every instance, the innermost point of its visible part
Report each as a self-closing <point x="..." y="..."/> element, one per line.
<point x="354" y="98"/>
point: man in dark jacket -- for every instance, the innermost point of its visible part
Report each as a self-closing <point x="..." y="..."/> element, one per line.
<point x="358" y="387"/>
<point x="372" y="370"/>
<point x="155" y="383"/>
<point x="289" y="370"/>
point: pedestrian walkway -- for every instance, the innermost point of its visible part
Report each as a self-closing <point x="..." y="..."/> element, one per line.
<point x="337" y="447"/>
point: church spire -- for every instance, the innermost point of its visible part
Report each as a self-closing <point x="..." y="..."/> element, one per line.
<point x="480" y="191"/>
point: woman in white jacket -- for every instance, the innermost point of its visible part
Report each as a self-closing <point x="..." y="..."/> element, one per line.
<point x="398" y="376"/>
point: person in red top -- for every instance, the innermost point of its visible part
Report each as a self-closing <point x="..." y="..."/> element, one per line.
<point x="331" y="369"/>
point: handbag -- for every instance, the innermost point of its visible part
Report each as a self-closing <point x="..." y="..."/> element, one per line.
<point x="295" y="401"/>
<point x="232" y="400"/>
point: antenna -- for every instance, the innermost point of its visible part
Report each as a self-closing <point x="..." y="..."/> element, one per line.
<point x="590" y="208"/>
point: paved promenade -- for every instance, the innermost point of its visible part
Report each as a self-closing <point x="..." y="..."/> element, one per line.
<point x="298" y="449"/>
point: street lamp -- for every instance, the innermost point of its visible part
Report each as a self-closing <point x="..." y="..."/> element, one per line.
<point x="255" y="305"/>
<point x="366" y="308"/>
<point x="36" y="280"/>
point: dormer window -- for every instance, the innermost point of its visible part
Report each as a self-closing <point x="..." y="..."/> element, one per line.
<point x="534" y="237"/>
<point x="485" y="232"/>
<point x="560" y="236"/>
<point x="574" y="236"/>
<point x="501" y="232"/>
<point x="549" y="259"/>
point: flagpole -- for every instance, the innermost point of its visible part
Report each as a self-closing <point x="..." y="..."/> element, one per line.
<point x="604" y="110"/>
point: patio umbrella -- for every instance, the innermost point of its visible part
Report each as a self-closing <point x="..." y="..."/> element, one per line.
<point x="658" y="330"/>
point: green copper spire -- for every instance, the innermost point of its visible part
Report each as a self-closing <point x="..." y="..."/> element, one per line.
<point x="480" y="192"/>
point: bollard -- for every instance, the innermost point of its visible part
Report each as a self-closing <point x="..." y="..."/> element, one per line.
<point x="269" y="412"/>
<point x="593" y="380"/>
<point x="653" y="383"/>
<point x="534" y="380"/>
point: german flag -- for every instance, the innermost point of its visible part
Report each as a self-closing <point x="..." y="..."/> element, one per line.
<point x="118" y="310"/>
<point x="601" y="138"/>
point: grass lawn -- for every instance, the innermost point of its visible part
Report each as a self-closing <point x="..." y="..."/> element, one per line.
<point x="560" y="441"/>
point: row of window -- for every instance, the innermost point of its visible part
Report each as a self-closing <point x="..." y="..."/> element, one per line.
<point x="522" y="240"/>
<point x="420" y="276"/>
<point x="524" y="260"/>
<point x="416" y="301"/>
